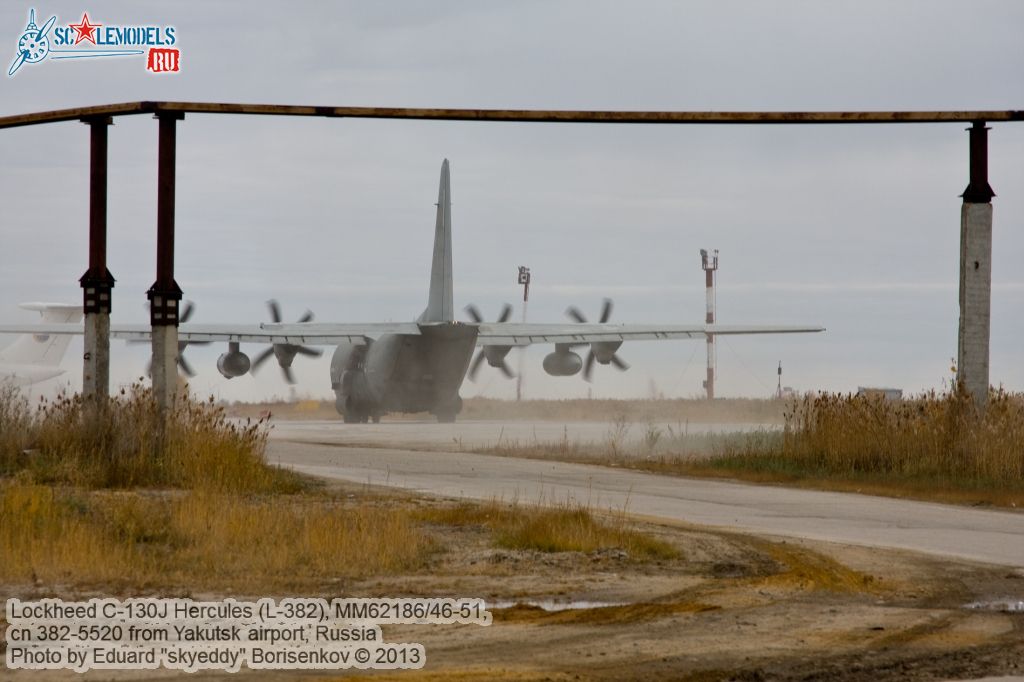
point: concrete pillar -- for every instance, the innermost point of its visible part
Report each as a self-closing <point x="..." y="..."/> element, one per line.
<point x="97" y="281"/>
<point x="976" y="273"/>
<point x="96" y="359"/>
<point x="165" y="365"/>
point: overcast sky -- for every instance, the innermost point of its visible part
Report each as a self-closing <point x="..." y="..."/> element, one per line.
<point x="855" y="228"/>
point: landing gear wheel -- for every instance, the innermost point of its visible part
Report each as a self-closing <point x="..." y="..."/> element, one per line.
<point x="445" y="417"/>
<point x="376" y="419"/>
<point x="351" y="418"/>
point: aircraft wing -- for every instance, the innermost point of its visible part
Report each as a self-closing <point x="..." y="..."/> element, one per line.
<point x="489" y="334"/>
<point x="524" y="334"/>
<point x="309" y="334"/>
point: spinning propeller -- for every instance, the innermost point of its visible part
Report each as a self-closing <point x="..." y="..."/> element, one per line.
<point x="183" y="364"/>
<point x="285" y="352"/>
<point x="495" y="355"/>
<point x="602" y="351"/>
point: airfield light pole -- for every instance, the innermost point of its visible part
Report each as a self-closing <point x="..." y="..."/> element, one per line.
<point x="976" y="272"/>
<point x="524" y="279"/>
<point x="97" y="281"/>
<point x="165" y="293"/>
<point x="709" y="263"/>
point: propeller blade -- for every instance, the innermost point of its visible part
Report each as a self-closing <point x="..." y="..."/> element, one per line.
<point x="475" y="366"/>
<point x="288" y="376"/>
<point x="185" y="367"/>
<point x="606" y="310"/>
<point x="506" y="370"/>
<point x="574" y="313"/>
<point x="186" y="312"/>
<point x="18" y="61"/>
<point x="588" y="366"/>
<point x="619" y="362"/>
<point x="474" y="313"/>
<point x="261" y="358"/>
<point x="306" y="317"/>
<point x="41" y="33"/>
<point x="506" y="313"/>
<point x="275" y="311"/>
<point x="308" y="352"/>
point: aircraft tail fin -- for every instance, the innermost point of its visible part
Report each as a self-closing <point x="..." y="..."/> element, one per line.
<point x="439" y="305"/>
<point x="43" y="349"/>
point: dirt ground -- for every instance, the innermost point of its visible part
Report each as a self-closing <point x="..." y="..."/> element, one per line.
<point x="730" y="607"/>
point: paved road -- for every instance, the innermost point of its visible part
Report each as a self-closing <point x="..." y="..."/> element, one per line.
<point x="982" y="535"/>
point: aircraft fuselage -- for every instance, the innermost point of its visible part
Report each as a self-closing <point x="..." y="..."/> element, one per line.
<point x="404" y="373"/>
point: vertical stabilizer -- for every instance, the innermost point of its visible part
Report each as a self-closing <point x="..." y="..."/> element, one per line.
<point x="43" y="349"/>
<point x="439" y="306"/>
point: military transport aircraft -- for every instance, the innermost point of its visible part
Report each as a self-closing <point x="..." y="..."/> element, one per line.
<point x="419" y="366"/>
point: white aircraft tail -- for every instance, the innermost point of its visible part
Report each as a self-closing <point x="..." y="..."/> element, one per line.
<point x="43" y="349"/>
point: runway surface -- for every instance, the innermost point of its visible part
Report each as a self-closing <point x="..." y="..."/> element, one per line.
<point x="485" y="433"/>
<point x="324" y="449"/>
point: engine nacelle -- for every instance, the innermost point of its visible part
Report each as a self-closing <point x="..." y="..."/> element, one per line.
<point x="233" y="364"/>
<point x="496" y="355"/>
<point x="604" y="351"/>
<point x="562" y="363"/>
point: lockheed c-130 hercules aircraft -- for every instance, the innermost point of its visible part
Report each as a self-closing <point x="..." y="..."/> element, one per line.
<point x="382" y="367"/>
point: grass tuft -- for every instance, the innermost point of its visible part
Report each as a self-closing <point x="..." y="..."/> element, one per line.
<point x="566" y="527"/>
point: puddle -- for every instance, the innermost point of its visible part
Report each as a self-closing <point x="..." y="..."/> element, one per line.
<point x="553" y="605"/>
<point x="1013" y="605"/>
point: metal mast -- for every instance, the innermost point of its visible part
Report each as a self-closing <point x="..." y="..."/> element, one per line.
<point x="709" y="263"/>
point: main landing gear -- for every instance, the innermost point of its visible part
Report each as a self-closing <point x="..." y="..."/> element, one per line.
<point x="351" y="417"/>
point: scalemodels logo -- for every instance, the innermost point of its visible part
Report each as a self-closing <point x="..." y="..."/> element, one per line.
<point x="90" y="40"/>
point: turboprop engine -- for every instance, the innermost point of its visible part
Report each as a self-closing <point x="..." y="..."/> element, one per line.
<point x="234" y="363"/>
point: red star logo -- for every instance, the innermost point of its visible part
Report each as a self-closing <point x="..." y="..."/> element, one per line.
<point x="85" y="30"/>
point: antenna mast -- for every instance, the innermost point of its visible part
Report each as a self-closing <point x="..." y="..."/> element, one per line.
<point x="709" y="263"/>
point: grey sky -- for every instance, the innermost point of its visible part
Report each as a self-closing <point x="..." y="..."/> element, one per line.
<point x="855" y="228"/>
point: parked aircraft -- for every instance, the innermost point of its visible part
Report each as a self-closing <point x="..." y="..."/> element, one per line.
<point x="382" y="367"/>
<point x="32" y="358"/>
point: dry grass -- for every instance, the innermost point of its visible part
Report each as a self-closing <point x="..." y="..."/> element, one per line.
<point x="124" y="443"/>
<point x="934" y="446"/>
<point x="566" y="527"/>
<point x="201" y="539"/>
<point x="93" y="494"/>
<point x="114" y="494"/>
<point x="937" y="443"/>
